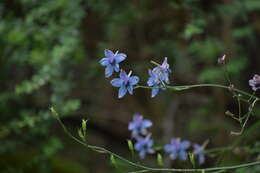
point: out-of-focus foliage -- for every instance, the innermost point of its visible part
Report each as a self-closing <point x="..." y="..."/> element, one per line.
<point x="49" y="52"/>
<point x="39" y="41"/>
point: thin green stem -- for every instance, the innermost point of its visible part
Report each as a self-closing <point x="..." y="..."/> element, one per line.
<point x="247" y="118"/>
<point x="200" y="170"/>
<point x="239" y="110"/>
<point x="145" y="168"/>
<point x="227" y="74"/>
<point x="185" y="87"/>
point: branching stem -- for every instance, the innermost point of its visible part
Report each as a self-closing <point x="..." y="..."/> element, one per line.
<point x="139" y="166"/>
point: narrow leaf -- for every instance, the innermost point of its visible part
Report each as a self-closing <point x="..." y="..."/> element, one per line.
<point x="160" y="160"/>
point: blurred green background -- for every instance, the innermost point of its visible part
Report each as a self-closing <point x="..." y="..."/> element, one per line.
<point x="49" y="53"/>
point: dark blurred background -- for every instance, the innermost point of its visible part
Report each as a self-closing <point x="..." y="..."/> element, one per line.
<point x="49" y="53"/>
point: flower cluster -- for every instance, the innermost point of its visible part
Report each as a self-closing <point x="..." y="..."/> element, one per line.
<point x="144" y="143"/>
<point x="158" y="80"/>
<point x="159" y="76"/>
<point x="125" y="82"/>
<point x="178" y="149"/>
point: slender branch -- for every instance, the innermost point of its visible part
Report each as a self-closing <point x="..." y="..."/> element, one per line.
<point x="205" y="169"/>
<point x="184" y="87"/>
<point x="247" y="118"/>
<point x="145" y="168"/>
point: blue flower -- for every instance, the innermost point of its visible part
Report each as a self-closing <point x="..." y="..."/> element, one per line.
<point x="111" y="61"/>
<point x="162" y="71"/>
<point x="139" y="126"/>
<point x="144" y="146"/>
<point x="125" y="83"/>
<point x="155" y="83"/>
<point x="199" y="153"/>
<point x="177" y="149"/>
<point x="158" y="77"/>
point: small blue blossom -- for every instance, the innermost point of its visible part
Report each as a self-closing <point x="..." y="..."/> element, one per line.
<point x="199" y="153"/>
<point x="154" y="82"/>
<point x="111" y="61"/>
<point x="158" y="77"/>
<point x="144" y="146"/>
<point x="177" y="149"/>
<point x="139" y="125"/>
<point x="125" y="83"/>
<point x="163" y="71"/>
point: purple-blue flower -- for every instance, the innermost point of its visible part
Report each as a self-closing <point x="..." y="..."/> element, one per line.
<point x="144" y="146"/>
<point x="125" y="83"/>
<point x="158" y="77"/>
<point x="255" y="82"/>
<point x="139" y="125"/>
<point x="163" y="71"/>
<point x="111" y="61"/>
<point x="177" y="149"/>
<point x="199" y="153"/>
<point x="155" y="83"/>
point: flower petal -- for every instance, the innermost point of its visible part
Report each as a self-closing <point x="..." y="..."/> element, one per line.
<point x="116" y="67"/>
<point x="146" y="123"/>
<point x="143" y="131"/>
<point x="130" y="89"/>
<point x="131" y="126"/>
<point x="109" y="71"/>
<point x="142" y="154"/>
<point x="150" y="150"/>
<point x="155" y="92"/>
<point x="185" y="144"/>
<point x="150" y="143"/>
<point x="137" y="117"/>
<point x="104" y="61"/>
<point x="122" y="91"/>
<point x="117" y="82"/>
<point x="173" y="155"/>
<point x="165" y="63"/>
<point x="133" y="80"/>
<point x="168" y="148"/>
<point x="123" y="75"/>
<point x="120" y="57"/>
<point x="182" y="155"/>
<point x="201" y="159"/>
<point x="151" y="82"/>
<point x="108" y="53"/>
<point x="138" y="146"/>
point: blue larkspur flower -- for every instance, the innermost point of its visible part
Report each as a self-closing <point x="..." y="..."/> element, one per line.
<point x="199" y="153"/>
<point x="155" y="83"/>
<point x="163" y="71"/>
<point x="125" y="83"/>
<point x="158" y="77"/>
<point x="111" y="61"/>
<point x="139" y="125"/>
<point x="144" y="145"/>
<point x="177" y="149"/>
